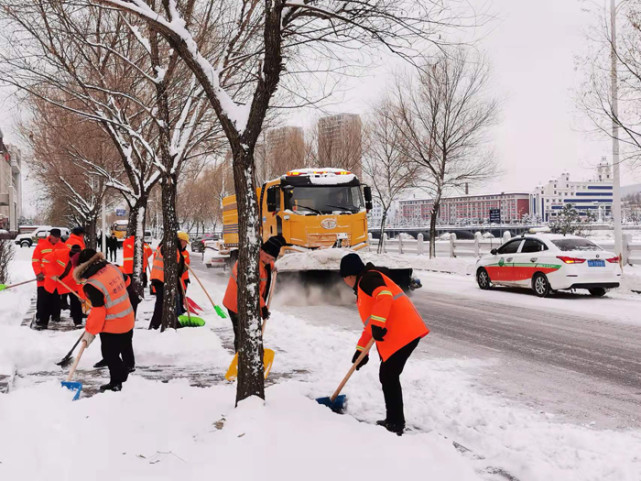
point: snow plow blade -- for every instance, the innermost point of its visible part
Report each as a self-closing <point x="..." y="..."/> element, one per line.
<point x="321" y="267"/>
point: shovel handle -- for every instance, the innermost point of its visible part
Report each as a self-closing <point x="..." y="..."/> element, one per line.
<point x="20" y="283"/>
<point x="75" y="363"/>
<point x="70" y="290"/>
<point x="201" y="285"/>
<point x="364" y="353"/>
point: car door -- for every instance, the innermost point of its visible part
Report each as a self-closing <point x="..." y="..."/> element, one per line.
<point x="501" y="271"/>
<point x="526" y="261"/>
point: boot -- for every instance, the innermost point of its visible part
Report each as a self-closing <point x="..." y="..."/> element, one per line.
<point x="396" y="428"/>
<point x="111" y="386"/>
<point x="101" y="363"/>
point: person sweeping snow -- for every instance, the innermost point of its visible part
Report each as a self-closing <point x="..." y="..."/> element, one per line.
<point x="111" y="315"/>
<point x="392" y="320"/>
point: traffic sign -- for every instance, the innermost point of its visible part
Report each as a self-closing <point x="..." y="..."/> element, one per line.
<point x="495" y="216"/>
<point x="120" y="212"/>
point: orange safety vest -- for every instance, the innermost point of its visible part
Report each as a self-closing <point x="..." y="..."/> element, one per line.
<point x="43" y="248"/>
<point x="117" y="315"/>
<point x="77" y="240"/>
<point x="158" y="267"/>
<point x="230" y="301"/>
<point x="54" y="264"/>
<point x="390" y="308"/>
<point x="128" y="255"/>
<point x="185" y="275"/>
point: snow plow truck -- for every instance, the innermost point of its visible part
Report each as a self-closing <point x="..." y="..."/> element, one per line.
<point x="322" y="214"/>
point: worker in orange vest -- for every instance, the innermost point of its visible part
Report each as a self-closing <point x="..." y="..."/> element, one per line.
<point x="392" y="320"/>
<point x="269" y="252"/>
<point x="68" y="286"/>
<point x="76" y="238"/>
<point x="183" y="240"/>
<point x="158" y="281"/>
<point x="48" y="303"/>
<point x="127" y="267"/>
<point x="111" y="314"/>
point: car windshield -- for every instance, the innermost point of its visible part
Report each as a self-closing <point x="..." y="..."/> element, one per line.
<point x="576" y="245"/>
<point x="120" y="228"/>
<point x="325" y="199"/>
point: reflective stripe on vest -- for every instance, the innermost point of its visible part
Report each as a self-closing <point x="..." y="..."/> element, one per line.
<point x="110" y="302"/>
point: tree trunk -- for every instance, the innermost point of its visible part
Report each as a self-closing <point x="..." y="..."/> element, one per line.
<point x="435" y="208"/>
<point x="169" y="250"/>
<point x="136" y="227"/>
<point x="381" y="239"/>
<point x="90" y="234"/>
<point x="251" y="381"/>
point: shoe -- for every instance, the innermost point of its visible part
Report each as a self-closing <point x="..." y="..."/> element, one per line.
<point x="131" y="369"/>
<point x="101" y="363"/>
<point x="115" y="387"/>
<point x="396" y="428"/>
<point x="38" y="327"/>
<point x="55" y="319"/>
<point x="78" y="326"/>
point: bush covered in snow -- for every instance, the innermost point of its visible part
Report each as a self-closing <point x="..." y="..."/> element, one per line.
<point x="6" y="254"/>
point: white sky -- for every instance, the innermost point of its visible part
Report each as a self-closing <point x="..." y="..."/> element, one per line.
<point x="531" y="47"/>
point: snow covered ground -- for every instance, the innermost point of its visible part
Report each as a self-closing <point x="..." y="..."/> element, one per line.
<point x="182" y="429"/>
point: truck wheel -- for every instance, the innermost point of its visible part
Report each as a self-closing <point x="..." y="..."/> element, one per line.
<point x="25" y="243"/>
<point x="483" y="279"/>
<point x="541" y="285"/>
<point x="597" y="291"/>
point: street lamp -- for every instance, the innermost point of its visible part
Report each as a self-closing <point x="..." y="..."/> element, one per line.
<point x="616" y="175"/>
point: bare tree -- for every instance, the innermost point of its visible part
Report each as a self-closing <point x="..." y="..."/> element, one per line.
<point x="265" y="36"/>
<point x="340" y="142"/>
<point x="385" y="165"/>
<point x="444" y="121"/>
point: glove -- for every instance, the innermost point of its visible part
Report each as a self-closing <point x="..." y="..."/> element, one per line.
<point x="88" y="338"/>
<point x="363" y="362"/>
<point x="187" y="281"/>
<point x="40" y="277"/>
<point x="264" y="312"/>
<point x="378" y="333"/>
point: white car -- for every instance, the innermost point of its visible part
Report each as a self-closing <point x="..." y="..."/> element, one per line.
<point x="549" y="263"/>
<point x="214" y="254"/>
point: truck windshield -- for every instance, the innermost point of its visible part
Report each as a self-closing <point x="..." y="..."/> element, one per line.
<point x="324" y="199"/>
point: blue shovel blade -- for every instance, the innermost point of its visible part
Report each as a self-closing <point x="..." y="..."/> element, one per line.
<point x="338" y="405"/>
<point x="74" y="386"/>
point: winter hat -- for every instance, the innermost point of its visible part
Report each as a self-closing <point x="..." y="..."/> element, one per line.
<point x="351" y="265"/>
<point x="55" y="233"/>
<point x="272" y="246"/>
<point x="85" y="255"/>
<point x="78" y="230"/>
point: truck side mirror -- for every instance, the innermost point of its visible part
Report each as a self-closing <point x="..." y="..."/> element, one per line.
<point x="367" y="191"/>
<point x="271" y="200"/>
<point x="494" y="252"/>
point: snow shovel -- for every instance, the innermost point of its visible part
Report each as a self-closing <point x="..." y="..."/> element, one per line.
<point x="219" y="310"/>
<point x="64" y="362"/>
<point x="189" y="320"/>
<point x="75" y="385"/>
<point x="338" y="402"/>
<point x="193" y="306"/>
<point x="4" y="287"/>
<point x="268" y="354"/>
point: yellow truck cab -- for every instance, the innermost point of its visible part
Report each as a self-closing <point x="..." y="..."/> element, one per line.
<point x="310" y="208"/>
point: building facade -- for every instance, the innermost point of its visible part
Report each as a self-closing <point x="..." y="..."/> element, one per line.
<point x="10" y="186"/>
<point x="505" y="208"/>
<point x="592" y="196"/>
<point x="340" y="142"/>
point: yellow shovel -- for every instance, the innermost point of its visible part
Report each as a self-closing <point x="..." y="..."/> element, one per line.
<point x="268" y="354"/>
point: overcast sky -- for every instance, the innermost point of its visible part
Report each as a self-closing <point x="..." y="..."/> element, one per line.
<point x="531" y="47"/>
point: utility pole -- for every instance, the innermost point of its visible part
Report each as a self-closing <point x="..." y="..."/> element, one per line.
<point x="616" y="175"/>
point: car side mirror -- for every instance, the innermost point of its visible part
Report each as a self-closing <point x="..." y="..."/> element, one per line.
<point x="494" y="252"/>
<point x="271" y="200"/>
<point x="367" y="192"/>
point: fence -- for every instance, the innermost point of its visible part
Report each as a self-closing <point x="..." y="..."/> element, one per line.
<point x="479" y="246"/>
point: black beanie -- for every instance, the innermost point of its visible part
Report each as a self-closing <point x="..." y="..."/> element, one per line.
<point x="55" y="233"/>
<point x="351" y="265"/>
<point x="272" y="246"/>
<point x="85" y="255"/>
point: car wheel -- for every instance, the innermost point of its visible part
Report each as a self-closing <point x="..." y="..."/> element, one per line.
<point x="541" y="285"/>
<point x="483" y="279"/>
<point x="597" y="291"/>
<point x="25" y="244"/>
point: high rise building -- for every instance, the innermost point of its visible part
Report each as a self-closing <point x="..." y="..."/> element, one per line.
<point x="10" y="186"/>
<point x="340" y="142"/>
<point x="284" y="151"/>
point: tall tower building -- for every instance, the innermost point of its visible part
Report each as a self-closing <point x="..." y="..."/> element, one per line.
<point x="284" y="151"/>
<point x="340" y="142"/>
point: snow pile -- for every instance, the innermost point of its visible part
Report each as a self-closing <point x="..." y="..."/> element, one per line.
<point x="330" y="259"/>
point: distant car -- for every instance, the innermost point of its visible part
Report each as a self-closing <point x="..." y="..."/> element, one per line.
<point x="148" y="237"/>
<point x="548" y="263"/>
<point x="27" y="240"/>
<point x="198" y="244"/>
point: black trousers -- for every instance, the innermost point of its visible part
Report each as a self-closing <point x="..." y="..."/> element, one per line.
<point x="112" y="254"/>
<point x="117" y="351"/>
<point x="76" y="309"/>
<point x="156" y="318"/>
<point x="389" y="375"/>
<point x="64" y="301"/>
<point x="233" y="317"/>
<point x="47" y="306"/>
